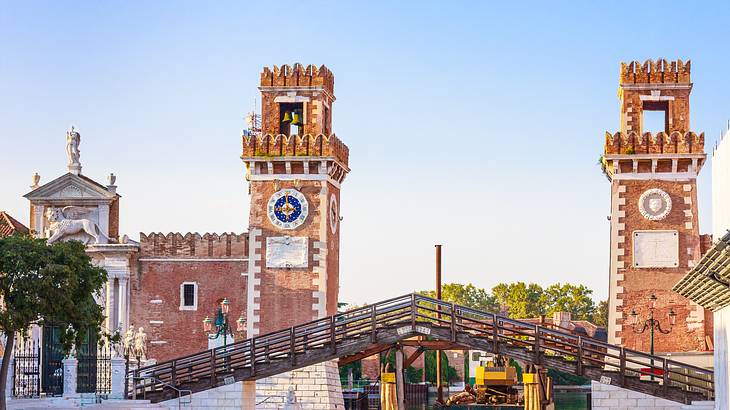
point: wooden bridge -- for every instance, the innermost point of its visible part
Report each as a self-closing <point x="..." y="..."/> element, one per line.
<point x="370" y="329"/>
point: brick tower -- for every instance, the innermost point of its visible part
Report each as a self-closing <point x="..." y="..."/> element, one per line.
<point x="655" y="236"/>
<point x="294" y="166"/>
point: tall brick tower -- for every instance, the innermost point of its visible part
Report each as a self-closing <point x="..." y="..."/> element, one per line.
<point x="655" y="236"/>
<point x="294" y="166"/>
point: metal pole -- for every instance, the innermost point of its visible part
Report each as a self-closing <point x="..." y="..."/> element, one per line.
<point x="651" y="344"/>
<point x="439" y="387"/>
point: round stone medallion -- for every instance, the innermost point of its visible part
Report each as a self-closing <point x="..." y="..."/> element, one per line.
<point x="655" y="204"/>
<point x="334" y="214"/>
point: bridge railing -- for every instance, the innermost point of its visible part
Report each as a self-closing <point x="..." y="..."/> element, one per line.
<point x="537" y="343"/>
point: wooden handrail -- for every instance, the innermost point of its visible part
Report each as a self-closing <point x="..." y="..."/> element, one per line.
<point x="413" y="311"/>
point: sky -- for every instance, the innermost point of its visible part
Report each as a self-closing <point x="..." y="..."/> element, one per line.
<point x="477" y="125"/>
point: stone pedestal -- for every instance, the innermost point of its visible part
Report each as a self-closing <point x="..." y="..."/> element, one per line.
<point x="118" y="378"/>
<point x="70" y="371"/>
<point x="316" y="387"/>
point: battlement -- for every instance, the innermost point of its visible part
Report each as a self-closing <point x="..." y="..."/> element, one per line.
<point x="659" y="143"/>
<point x="655" y="72"/>
<point x="193" y="245"/>
<point x="269" y="145"/>
<point x="298" y="76"/>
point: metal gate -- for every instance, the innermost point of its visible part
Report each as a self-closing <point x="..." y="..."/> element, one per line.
<point x="52" y="361"/>
<point x="26" y="371"/>
<point x="95" y="370"/>
<point x="86" y="355"/>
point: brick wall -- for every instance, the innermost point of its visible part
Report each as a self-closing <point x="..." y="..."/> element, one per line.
<point x="216" y="263"/>
<point x="638" y="284"/>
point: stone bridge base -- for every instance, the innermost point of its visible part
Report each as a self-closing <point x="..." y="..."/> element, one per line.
<point x="607" y="397"/>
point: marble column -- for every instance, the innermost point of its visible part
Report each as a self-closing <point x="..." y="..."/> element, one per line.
<point x="110" y="306"/>
<point x="123" y="306"/>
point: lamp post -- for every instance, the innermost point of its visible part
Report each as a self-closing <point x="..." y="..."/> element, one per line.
<point x="652" y="325"/>
<point x="221" y="322"/>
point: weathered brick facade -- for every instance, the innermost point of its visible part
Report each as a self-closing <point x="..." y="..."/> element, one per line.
<point x="666" y="162"/>
<point x="216" y="264"/>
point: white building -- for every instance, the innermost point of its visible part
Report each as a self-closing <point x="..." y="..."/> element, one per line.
<point x="708" y="283"/>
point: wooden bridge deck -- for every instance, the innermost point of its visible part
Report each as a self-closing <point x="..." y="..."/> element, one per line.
<point x="383" y="324"/>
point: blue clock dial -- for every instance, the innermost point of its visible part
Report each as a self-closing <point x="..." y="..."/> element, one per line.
<point x="287" y="208"/>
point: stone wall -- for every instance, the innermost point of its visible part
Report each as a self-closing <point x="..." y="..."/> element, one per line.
<point x="607" y="397"/>
<point x="316" y="387"/>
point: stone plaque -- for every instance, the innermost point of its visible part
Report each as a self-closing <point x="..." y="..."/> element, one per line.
<point x="656" y="249"/>
<point x="286" y="252"/>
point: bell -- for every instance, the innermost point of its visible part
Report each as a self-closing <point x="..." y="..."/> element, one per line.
<point x="287" y="117"/>
<point x="296" y="119"/>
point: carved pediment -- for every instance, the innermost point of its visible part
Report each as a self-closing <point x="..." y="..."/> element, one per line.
<point x="70" y="187"/>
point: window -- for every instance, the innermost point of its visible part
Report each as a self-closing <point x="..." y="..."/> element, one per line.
<point x="189" y="296"/>
<point x="655" y="116"/>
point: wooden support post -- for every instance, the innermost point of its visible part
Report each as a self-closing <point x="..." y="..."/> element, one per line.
<point x="212" y="368"/>
<point x="537" y="345"/>
<point x="413" y="312"/>
<point x="580" y="356"/>
<point x="373" y="324"/>
<point x="495" y="335"/>
<point x="333" y="334"/>
<point x="400" y="385"/>
<point x="453" y="322"/>
<point x="665" y="375"/>
<point x="292" y="347"/>
<point x="622" y="366"/>
<point x="173" y="373"/>
<point x="253" y="356"/>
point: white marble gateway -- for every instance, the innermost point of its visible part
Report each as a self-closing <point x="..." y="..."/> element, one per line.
<point x="656" y="249"/>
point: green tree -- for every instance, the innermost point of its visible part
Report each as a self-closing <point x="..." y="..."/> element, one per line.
<point x="466" y="295"/>
<point x="600" y="317"/>
<point x="46" y="284"/>
<point x="448" y="373"/>
<point x="569" y="298"/>
<point x="521" y="299"/>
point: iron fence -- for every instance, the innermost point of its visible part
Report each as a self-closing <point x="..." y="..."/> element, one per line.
<point x="27" y="369"/>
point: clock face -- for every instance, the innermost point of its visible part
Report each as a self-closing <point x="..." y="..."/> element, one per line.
<point x="288" y="208"/>
<point x="334" y="214"/>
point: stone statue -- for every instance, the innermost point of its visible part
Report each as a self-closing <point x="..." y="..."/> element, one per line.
<point x="69" y="220"/>
<point x="129" y="341"/>
<point x="291" y="400"/>
<point x="140" y="344"/>
<point x="73" y="140"/>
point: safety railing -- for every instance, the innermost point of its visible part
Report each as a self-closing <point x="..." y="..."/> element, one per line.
<point x="336" y="335"/>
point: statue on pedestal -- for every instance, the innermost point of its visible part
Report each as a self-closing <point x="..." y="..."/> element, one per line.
<point x="73" y="140"/>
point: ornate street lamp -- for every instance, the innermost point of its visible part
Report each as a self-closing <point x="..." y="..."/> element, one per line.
<point x="651" y="324"/>
<point x="241" y="324"/>
<point x="220" y="323"/>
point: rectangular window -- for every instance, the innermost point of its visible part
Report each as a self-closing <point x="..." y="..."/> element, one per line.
<point x="655" y="116"/>
<point x="189" y="296"/>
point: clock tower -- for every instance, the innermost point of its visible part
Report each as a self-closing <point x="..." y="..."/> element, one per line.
<point x="655" y="235"/>
<point x="295" y="166"/>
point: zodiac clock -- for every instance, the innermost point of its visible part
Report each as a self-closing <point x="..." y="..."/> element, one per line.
<point x="288" y="209"/>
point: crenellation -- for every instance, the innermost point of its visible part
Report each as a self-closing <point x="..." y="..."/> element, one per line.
<point x="194" y="245"/>
<point x="622" y="143"/>
<point x="658" y="71"/>
<point x="298" y="76"/>
<point x="270" y="145"/>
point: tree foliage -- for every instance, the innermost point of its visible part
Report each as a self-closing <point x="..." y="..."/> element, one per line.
<point x="42" y="284"/>
<point x="600" y="317"/>
<point x="522" y="300"/>
<point x="466" y="295"/>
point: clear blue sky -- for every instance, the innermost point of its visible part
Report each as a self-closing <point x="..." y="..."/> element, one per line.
<point x="473" y="124"/>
